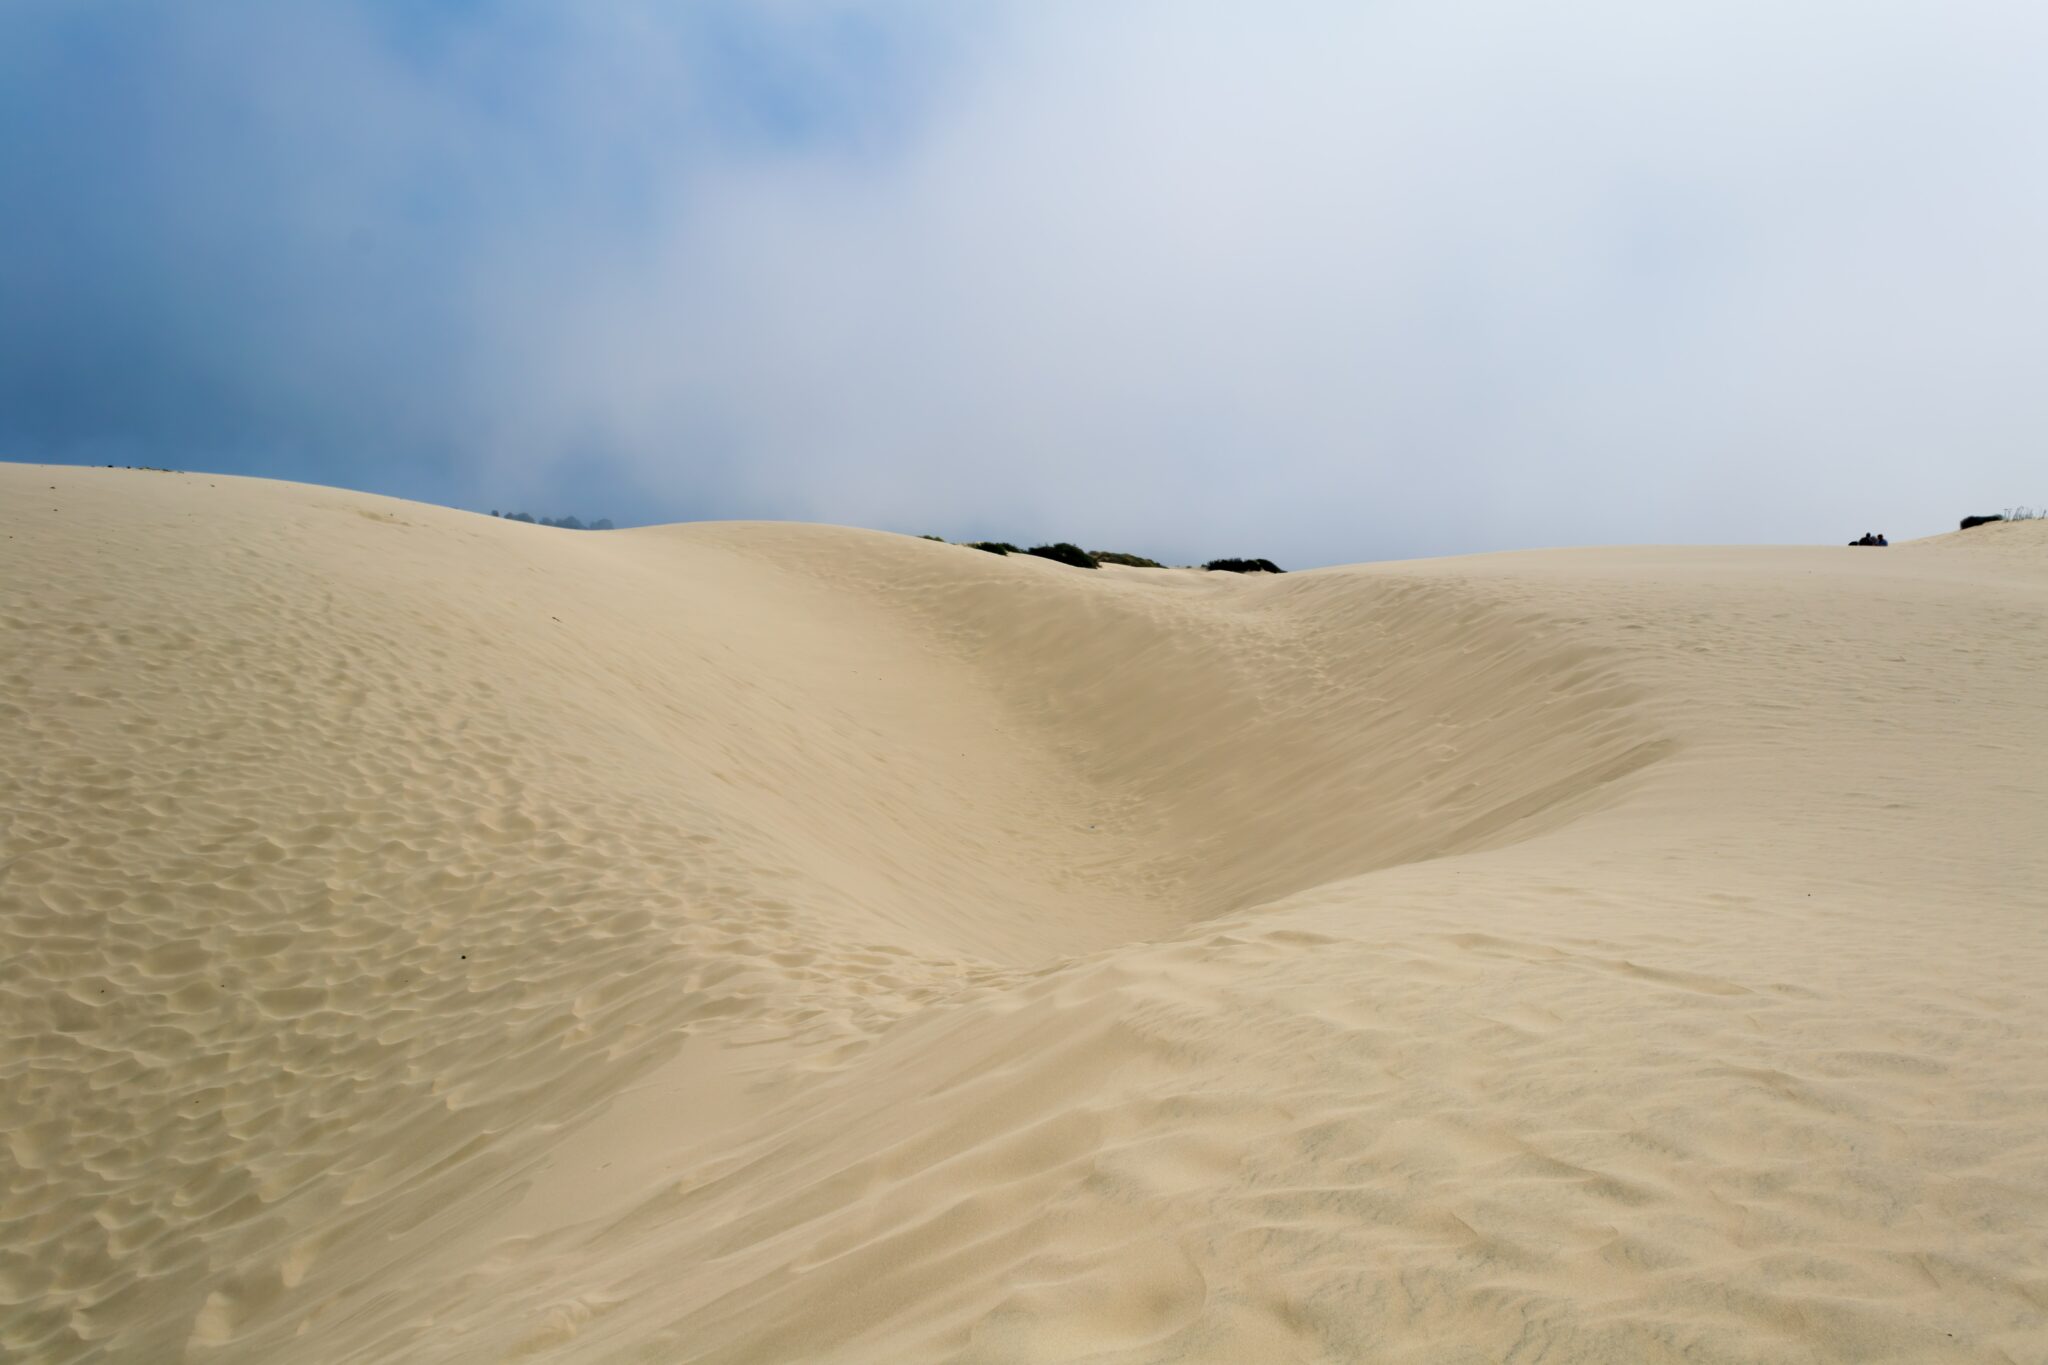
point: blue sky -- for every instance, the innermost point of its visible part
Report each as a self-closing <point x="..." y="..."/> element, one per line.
<point x="1316" y="281"/>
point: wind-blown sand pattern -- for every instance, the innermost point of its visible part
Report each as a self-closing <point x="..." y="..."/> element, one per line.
<point x="431" y="938"/>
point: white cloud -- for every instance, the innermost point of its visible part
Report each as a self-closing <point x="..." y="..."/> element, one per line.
<point x="1316" y="281"/>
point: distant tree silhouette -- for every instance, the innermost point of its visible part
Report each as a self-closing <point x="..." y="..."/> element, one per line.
<point x="1244" y="566"/>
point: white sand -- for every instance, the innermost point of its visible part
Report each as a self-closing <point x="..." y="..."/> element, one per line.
<point x="431" y="938"/>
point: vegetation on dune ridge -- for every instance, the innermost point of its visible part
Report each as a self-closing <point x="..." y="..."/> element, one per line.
<point x="2009" y="514"/>
<point x="1065" y="552"/>
<point x="559" y="523"/>
<point x="1062" y="552"/>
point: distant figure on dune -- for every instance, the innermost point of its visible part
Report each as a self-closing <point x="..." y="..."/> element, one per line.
<point x="1871" y="538"/>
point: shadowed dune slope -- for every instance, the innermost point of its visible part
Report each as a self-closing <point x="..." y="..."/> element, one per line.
<point x="428" y="937"/>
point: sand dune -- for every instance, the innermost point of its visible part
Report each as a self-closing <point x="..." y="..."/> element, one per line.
<point x="432" y="938"/>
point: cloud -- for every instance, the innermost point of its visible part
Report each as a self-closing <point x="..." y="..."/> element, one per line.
<point x="1315" y="281"/>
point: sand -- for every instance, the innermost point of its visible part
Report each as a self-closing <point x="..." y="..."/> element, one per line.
<point x="432" y="938"/>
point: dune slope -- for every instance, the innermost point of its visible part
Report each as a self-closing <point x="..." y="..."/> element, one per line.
<point x="425" y="937"/>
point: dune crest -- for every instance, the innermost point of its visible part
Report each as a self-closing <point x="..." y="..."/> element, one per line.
<point x="428" y="937"/>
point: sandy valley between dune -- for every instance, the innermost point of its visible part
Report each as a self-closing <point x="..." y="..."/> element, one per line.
<point x="426" y="937"/>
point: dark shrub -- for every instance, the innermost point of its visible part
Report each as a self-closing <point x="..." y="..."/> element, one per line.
<point x="1969" y="522"/>
<point x="1244" y="566"/>
<point x="940" y="539"/>
<point x="560" y="523"/>
<point x="996" y="547"/>
<point x="1130" y="561"/>
<point x="1061" y="552"/>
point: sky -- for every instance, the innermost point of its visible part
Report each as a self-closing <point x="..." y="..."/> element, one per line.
<point x="1321" y="282"/>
